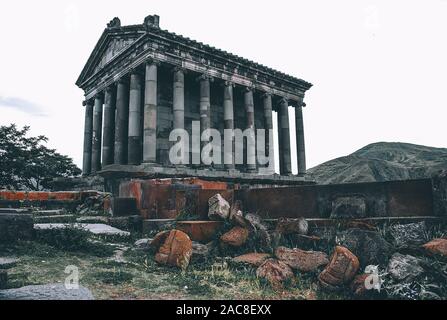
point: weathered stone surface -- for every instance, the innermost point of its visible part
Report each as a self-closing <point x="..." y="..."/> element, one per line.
<point x="66" y="218"/>
<point x="404" y="267"/>
<point x="236" y="237"/>
<point x="46" y="292"/>
<point x="437" y="246"/>
<point x="341" y="269"/>
<point x="236" y="215"/>
<point x="7" y="263"/>
<point x="288" y="226"/>
<point x="16" y="226"/>
<point x="260" y="229"/>
<point x="142" y="244"/>
<point x="274" y="271"/>
<point x="124" y="206"/>
<point x="348" y="207"/>
<point x="3" y="279"/>
<point x="361" y="225"/>
<point x="409" y="234"/>
<point x="301" y="260"/>
<point x="55" y="212"/>
<point x="369" y="246"/>
<point x="158" y="240"/>
<point x="358" y="287"/>
<point x="95" y="228"/>
<point x="175" y="250"/>
<point x="219" y="208"/>
<point x="255" y="259"/>
<point x="202" y="231"/>
<point x="132" y="222"/>
<point x="93" y="219"/>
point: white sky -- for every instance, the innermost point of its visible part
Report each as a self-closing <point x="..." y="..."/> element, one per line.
<point x="379" y="68"/>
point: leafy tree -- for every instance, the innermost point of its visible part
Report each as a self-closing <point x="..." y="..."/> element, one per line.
<point x="26" y="163"/>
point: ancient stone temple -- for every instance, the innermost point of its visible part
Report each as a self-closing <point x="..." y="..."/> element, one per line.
<point x="141" y="82"/>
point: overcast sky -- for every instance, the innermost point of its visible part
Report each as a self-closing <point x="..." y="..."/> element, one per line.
<point x="379" y="68"/>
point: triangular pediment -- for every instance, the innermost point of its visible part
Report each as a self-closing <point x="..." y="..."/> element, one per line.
<point x="111" y="44"/>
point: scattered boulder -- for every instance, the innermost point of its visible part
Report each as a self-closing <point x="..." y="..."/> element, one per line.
<point x="236" y="215"/>
<point x="3" y="279"/>
<point x="46" y="292"/>
<point x="275" y="272"/>
<point x="175" y="249"/>
<point x="260" y="231"/>
<point x="142" y="244"/>
<point x="348" y="207"/>
<point x="254" y="259"/>
<point x="341" y="269"/>
<point x="236" y="237"/>
<point x="410" y="234"/>
<point x="437" y="247"/>
<point x="404" y="267"/>
<point x="369" y="246"/>
<point x="219" y="208"/>
<point x="288" y="226"/>
<point x="301" y="260"/>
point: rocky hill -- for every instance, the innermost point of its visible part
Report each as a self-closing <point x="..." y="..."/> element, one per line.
<point x="382" y="161"/>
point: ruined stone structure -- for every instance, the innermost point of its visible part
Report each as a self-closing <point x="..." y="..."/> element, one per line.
<point x="141" y="82"/>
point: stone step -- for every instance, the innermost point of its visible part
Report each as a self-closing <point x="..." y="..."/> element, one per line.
<point x="55" y="219"/>
<point x="55" y="212"/>
<point x="93" y="219"/>
<point x="94" y="228"/>
<point x="15" y="210"/>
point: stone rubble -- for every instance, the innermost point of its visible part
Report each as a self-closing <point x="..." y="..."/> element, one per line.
<point x="254" y="259"/>
<point x="235" y="237"/>
<point x="219" y="208"/>
<point x="275" y="272"/>
<point x="304" y="261"/>
<point x="174" y="248"/>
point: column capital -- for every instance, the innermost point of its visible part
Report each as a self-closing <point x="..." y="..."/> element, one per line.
<point x="177" y="68"/>
<point x="110" y="88"/>
<point x="151" y="60"/>
<point x="228" y="83"/>
<point x="266" y="94"/>
<point x="249" y="88"/>
<point x="205" y="76"/>
<point x="135" y="71"/>
<point x="121" y="80"/>
<point x="99" y="95"/>
<point x="283" y="100"/>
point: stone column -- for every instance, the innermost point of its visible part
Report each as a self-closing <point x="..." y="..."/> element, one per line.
<point x="97" y="134"/>
<point x="121" y="122"/>
<point x="229" y="123"/>
<point x="300" y="146"/>
<point x="268" y="118"/>
<point x="205" y="106"/>
<point x="135" y="134"/>
<point x="250" y="125"/>
<point x="179" y="103"/>
<point x="88" y="127"/>
<point x="284" y="138"/>
<point x="150" y="114"/>
<point x="109" y="126"/>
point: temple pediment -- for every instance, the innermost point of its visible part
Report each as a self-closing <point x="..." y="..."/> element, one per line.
<point x="113" y="41"/>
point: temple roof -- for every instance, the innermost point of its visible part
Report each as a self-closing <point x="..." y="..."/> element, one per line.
<point x="116" y="40"/>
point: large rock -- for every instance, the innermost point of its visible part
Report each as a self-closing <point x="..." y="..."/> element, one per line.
<point x="175" y="249"/>
<point x="404" y="267"/>
<point x="260" y="231"/>
<point x="301" y="260"/>
<point x="254" y="259"/>
<point x="288" y="226"/>
<point x="201" y="251"/>
<point x="437" y="247"/>
<point x="236" y="237"/>
<point x="410" y="234"/>
<point x="46" y="292"/>
<point x="275" y="272"/>
<point x="219" y="208"/>
<point x="341" y="269"/>
<point x="369" y="246"/>
<point x="348" y="207"/>
<point x="142" y="244"/>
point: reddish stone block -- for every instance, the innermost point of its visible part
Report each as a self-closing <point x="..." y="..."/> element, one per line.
<point x="175" y="249"/>
<point x="255" y="259"/>
<point x="236" y="237"/>
<point x="38" y="196"/>
<point x="201" y="231"/>
<point x="437" y="246"/>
